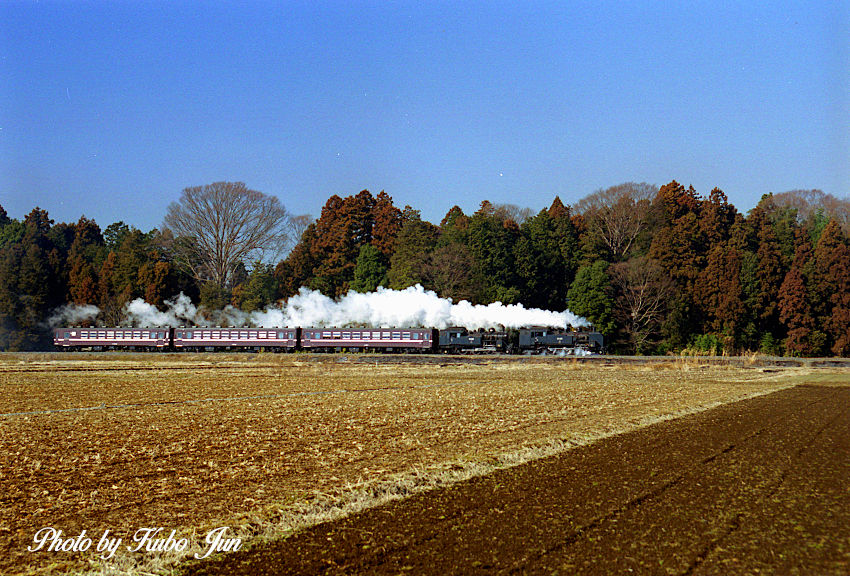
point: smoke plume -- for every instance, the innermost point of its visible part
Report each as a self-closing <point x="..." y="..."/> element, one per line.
<point x="412" y="307"/>
<point x="72" y="315"/>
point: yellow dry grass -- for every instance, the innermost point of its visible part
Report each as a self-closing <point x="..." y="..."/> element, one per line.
<point x="254" y="442"/>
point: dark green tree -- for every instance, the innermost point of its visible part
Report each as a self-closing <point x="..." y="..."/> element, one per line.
<point x="409" y="262"/>
<point x="370" y="271"/>
<point x="258" y="291"/>
<point x="590" y="296"/>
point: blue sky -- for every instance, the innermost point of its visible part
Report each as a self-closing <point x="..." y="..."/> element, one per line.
<point x="110" y="109"/>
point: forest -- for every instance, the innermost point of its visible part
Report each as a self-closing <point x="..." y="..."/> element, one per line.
<point x="656" y="270"/>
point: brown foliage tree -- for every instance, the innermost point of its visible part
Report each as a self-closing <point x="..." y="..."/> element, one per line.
<point x="719" y="292"/>
<point x="832" y="286"/>
<point x="326" y="256"/>
<point x="387" y="221"/>
<point x="795" y="311"/>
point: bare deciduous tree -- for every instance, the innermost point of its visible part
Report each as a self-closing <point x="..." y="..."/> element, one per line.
<point x="223" y="224"/>
<point x="297" y="226"/>
<point x="512" y="212"/>
<point x="616" y="216"/>
<point x="642" y="289"/>
<point x="448" y="271"/>
<point x="808" y="202"/>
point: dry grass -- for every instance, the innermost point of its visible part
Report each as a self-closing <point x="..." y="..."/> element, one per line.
<point x="267" y="444"/>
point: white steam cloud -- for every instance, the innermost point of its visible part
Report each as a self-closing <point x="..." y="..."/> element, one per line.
<point x="72" y="314"/>
<point x="411" y="307"/>
<point x="179" y="312"/>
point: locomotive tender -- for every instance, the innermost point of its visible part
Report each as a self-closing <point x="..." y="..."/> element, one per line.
<point x="455" y="340"/>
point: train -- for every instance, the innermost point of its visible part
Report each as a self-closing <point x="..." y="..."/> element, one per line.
<point x="453" y="340"/>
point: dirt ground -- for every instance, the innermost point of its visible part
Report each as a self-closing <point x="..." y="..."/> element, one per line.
<point x="755" y="487"/>
<point x="190" y="442"/>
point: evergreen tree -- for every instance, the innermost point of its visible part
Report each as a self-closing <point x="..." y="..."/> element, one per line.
<point x="409" y="262"/>
<point x="540" y="263"/>
<point x="795" y="311"/>
<point x="831" y="282"/>
<point x="258" y="291"/>
<point x="720" y="294"/>
<point x="370" y="271"/>
<point x="590" y="296"/>
<point x="490" y="241"/>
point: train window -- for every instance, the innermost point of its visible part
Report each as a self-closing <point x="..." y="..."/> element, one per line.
<point x="188" y="335"/>
<point x="110" y="334"/>
<point x="216" y="335"/>
<point x="346" y="335"/>
<point x="281" y="335"/>
<point x="396" y="335"/>
<point x="405" y="335"/>
<point x="326" y="334"/>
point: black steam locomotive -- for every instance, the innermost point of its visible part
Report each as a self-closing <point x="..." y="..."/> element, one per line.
<point x="455" y="340"/>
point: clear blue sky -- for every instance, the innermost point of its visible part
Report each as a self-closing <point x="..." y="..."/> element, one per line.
<point x="110" y="109"/>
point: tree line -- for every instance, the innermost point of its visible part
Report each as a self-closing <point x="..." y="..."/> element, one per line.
<point x="657" y="270"/>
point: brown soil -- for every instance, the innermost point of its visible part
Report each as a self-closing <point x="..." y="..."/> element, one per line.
<point x="754" y="487"/>
<point x="119" y="442"/>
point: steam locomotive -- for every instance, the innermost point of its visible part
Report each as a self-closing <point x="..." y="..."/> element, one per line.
<point x="454" y="340"/>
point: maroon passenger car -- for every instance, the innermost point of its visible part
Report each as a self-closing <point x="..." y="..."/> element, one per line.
<point x="113" y="338"/>
<point x="355" y="339"/>
<point x="202" y="337"/>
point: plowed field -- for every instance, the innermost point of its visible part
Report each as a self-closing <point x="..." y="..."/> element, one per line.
<point x="761" y="486"/>
<point x="267" y="444"/>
